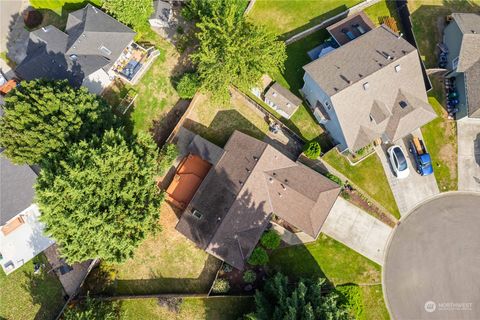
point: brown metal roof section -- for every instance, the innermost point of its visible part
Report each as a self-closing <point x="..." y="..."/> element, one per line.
<point x="190" y="173"/>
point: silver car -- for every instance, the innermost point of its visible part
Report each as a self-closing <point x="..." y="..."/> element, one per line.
<point x="398" y="161"/>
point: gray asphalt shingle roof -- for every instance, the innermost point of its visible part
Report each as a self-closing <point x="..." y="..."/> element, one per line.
<point x="283" y="98"/>
<point x="16" y="188"/>
<point x="77" y="53"/>
<point x="251" y="182"/>
<point x="366" y="80"/>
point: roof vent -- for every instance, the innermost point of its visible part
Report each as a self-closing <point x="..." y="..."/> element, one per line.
<point x="73" y="57"/>
<point x="45" y="29"/>
<point x="288" y="104"/>
<point x="365" y="86"/>
<point x="274" y="94"/>
<point x="283" y="186"/>
<point x="397" y="68"/>
<point x="270" y="180"/>
<point x="400" y="35"/>
<point x="197" y="214"/>
<point x="346" y="79"/>
<point x="255" y="158"/>
<point x="240" y="182"/>
<point x="248" y="170"/>
<point x="95" y="9"/>
<point x="105" y="50"/>
<point x="473" y="31"/>
<point x="286" y="180"/>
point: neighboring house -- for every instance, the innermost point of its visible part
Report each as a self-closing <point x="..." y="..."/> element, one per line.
<point x="462" y="38"/>
<point x="282" y="100"/>
<point x="93" y="50"/>
<point x="250" y="183"/>
<point x="21" y="232"/>
<point x="370" y="88"/>
<point x="162" y="14"/>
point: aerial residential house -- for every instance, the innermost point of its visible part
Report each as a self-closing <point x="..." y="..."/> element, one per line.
<point x="282" y="100"/>
<point x="162" y="14"/>
<point x="21" y="232"/>
<point x="248" y="184"/>
<point x="370" y="88"/>
<point x="462" y="39"/>
<point x="94" y="49"/>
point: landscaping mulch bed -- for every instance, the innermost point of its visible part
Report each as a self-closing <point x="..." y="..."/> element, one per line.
<point x="238" y="286"/>
<point x="357" y="199"/>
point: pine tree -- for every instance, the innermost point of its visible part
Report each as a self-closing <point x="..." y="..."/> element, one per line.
<point x="99" y="200"/>
<point x="42" y="117"/>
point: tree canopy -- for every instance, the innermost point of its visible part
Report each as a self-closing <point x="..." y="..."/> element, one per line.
<point x="99" y="200"/>
<point x="133" y="13"/>
<point x="304" y="301"/>
<point x="233" y="51"/>
<point x="42" y="117"/>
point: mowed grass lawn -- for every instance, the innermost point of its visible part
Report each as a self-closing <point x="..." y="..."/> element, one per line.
<point x="288" y="17"/>
<point x="166" y="263"/>
<point x="339" y="264"/>
<point x="440" y="136"/>
<point x="216" y="122"/>
<point x="189" y="309"/>
<point x="427" y="17"/>
<point x="368" y="175"/>
<point x="24" y="295"/>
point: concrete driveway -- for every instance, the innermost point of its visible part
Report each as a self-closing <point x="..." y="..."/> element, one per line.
<point x="414" y="189"/>
<point x="432" y="263"/>
<point x="358" y="230"/>
<point x="468" y="133"/>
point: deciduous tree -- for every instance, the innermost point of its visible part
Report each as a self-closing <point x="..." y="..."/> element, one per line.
<point x="43" y="117"/>
<point x="233" y="51"/>
<point x="100" y="200"/>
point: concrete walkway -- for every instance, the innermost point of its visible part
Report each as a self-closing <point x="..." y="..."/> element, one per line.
<point x="468" y="133"/>
<point x="358" y="230"/>
<point x="351" y="226"/>
<point x="414" y="189"/>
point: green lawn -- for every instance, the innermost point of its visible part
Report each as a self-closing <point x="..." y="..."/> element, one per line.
<point x="339" y="264"/>
<point x="288" y="17"/>
<point x="440" y="137"/>
<point x="165" y="263"/>
<point x="427" y="15"/>
<point x="190" y="309"/>
<point x="25" y="296"/>
<point x="216" y="122"/>
<point x="368" y="175"/>
<point x="381" y="9"/>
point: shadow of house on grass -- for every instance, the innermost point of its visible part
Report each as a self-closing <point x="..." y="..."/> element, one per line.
<point x="428" y="23"/>
<point x="223" y="126"/>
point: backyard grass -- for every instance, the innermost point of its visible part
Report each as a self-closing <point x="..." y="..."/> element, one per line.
<point x="339" y="264"/>
<point x="166" y="263"/>
<point x="288" y="17"/>
<point x="440" y="137"/>
<point x="384" y="8"/>
<point x="428" y="17"/>
<point x="216" y="122"/>
<point x="368" y="175"/>
<point x="25" y="296"/>
<point x="189" y="309"/>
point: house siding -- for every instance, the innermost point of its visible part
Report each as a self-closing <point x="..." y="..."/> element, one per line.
<point x="452" y="37"/>
<point x="314" y="93"/>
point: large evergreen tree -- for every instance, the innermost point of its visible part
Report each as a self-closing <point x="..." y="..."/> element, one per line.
<point x="134" y="13"/>
<point x="43" y="117"/>
<point x="304" y="301"/>
<point x="233" y="51"/>
<point x="99" y="200"/>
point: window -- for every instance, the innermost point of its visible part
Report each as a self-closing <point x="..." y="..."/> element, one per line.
<point x="403" y="104"/>
<point x="397" y="68"/>
<point x="328" y="105"/>
<point x="105" y="50"/>
<point x="197" y="214"/>
<point x="455" y="63"/>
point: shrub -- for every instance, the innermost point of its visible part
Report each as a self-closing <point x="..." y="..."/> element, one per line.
<point x="351" y="298"/>
<point x="249" y="276"/>
<point x="312" y="149"/>
<point x="168" y="154"/>
<point x="334" y="178"/>
<point x="221" y="286"/>
<point x="259" y="257"/>
<point x="227" y="268"/>
<point x="188" y="85"/>
<point x="270" y="239"/>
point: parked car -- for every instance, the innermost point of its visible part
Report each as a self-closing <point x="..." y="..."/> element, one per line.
<point x="398" y="161"/>
<point x="421" y="156"/>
